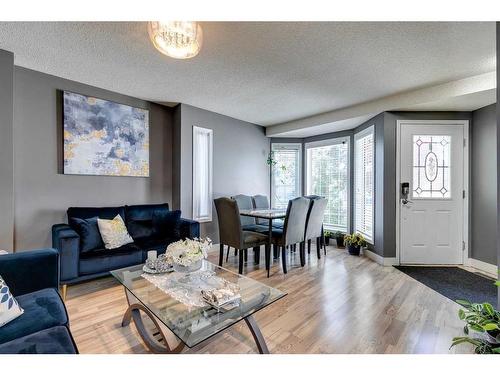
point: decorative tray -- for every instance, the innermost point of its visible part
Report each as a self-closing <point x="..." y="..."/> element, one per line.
<point x="154" y="271"/>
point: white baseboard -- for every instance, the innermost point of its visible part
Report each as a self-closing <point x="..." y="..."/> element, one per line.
<point x="384" y="261"/>
<point x="487" y="268"/>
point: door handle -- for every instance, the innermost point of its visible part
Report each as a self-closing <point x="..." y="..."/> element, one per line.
<point x="405" y="201"/>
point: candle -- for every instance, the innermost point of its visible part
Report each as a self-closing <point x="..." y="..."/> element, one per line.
<point x="152" y="255"/>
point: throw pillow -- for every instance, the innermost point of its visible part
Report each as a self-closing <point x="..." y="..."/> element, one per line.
<point x="167" y="224"/>
<point x="114" y="232"/>
<point x="88" y="230"/>
<point x="9" y="308"/>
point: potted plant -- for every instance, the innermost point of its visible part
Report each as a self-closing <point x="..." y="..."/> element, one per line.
<point x="339" y="237"/>
<point x="484" y="322"/>
<point x="354" y="242"/>
<point x="327" y="235"/>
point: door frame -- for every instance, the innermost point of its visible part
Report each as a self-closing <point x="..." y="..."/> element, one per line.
<point x="466" y="180"/>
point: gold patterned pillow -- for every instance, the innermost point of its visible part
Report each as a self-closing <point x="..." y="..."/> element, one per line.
<point x="114" y="232"/>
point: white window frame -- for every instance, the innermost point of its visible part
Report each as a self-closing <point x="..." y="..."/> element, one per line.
<point x="331" y="142"/>
<point x="196" y="198"/>
<point x="287" y="146"/>
<point x="370" y="130"/>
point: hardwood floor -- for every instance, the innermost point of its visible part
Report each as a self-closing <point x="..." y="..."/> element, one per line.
<point x="338" y="304"/>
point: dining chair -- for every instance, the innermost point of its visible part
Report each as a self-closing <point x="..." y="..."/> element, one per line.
<point x="314" y="223"/>
<point x="245" y="202"/>
<point x="293" y="230"/>
<point x="322" y="237"/>
<point x="232" y="234"/>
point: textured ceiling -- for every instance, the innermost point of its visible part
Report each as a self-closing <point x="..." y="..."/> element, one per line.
<point x="265" y="73"/>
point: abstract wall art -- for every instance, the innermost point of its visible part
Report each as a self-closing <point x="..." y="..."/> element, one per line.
<point x="104" y="138"/>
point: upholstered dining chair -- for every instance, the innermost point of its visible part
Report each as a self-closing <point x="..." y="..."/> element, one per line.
<point x="322" y="237"/>
<point x="293" y="230"/>
<point x="245" y="202"/>
<point x="231" y="233"/>
<point x="314" y="223"/>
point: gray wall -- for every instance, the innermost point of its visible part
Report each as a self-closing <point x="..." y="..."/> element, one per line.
<point x="42" y="195"/>
<point x="240" y="153"/>
<point x="483" y="185"/>
<point x="6" y="151"/>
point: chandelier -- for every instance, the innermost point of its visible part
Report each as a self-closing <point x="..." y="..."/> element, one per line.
<point x="177" y="39"/>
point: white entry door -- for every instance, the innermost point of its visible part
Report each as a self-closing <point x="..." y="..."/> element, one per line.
<point x="431" y="214"/>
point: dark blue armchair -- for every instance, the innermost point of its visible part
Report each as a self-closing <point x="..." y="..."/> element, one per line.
<point x="43" y="328"/>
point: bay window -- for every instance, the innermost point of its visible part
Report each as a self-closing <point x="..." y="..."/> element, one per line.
<point x="286" y="159"/>
<point x="327" y="175"/>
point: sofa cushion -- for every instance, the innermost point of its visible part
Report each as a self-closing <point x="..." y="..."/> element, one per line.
<point x="9" y="308"/>
<point x="88" y="230"/>
<point x="139" y="219"/>
<point x="114" y="233"/>
<point x="102" y="260"/>
<point x="167" y="224"/>
<point x="101" y="212"/>
<point x="55" y="340"/>
<point x="42" y="309"/>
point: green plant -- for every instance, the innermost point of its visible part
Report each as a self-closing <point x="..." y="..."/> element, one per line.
<point x="328" y="234"/>
<point x="354" y="239"/>
<point x="484" y="320"/>
<point x="338" y="234"/>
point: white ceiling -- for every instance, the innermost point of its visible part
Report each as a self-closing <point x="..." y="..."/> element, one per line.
<point x="265" y="73"/>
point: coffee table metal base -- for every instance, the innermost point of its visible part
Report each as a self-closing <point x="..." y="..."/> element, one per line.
<point x="157" y="343"/>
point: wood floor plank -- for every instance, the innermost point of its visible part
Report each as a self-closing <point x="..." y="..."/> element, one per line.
<point x="337" y="304"/>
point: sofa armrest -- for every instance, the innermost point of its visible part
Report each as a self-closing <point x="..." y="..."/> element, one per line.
<point x="67" y="242"/>
<point x="189" y="228"/>
<point x="29" y="271"/>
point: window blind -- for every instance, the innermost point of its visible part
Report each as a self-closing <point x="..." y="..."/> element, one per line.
<point x="328" y="176"/>
<point x="202" y="173"/>
<point x="285" y="173"/>
<point x="364" y="183"/>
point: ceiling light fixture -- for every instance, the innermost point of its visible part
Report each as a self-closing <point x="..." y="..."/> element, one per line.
<point x="177" y="39"/>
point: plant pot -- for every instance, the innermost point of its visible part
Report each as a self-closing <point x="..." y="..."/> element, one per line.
<point x="327" y="240"/>
<point x="353" y="250"/>
<point x="340" y="242"/>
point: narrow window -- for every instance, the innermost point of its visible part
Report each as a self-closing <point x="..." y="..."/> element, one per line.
<point x="202" y="173"/>
<point x="364" y="182"/>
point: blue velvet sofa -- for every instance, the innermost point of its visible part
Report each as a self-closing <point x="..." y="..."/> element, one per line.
<point x="83" y="257"/>
<point x="43" y="328"/>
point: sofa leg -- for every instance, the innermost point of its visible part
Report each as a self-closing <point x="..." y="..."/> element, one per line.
<point x="64" y="290"/>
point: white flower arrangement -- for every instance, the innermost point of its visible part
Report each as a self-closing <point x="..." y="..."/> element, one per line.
<point x="187" y="252"/>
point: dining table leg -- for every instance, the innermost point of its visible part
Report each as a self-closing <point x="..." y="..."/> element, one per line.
<point x="269" y="246"/>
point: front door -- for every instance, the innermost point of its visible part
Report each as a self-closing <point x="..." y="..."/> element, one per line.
<point x="431" y="193"/>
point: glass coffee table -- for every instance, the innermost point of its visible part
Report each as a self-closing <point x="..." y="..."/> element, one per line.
<point x="180" y="316"/>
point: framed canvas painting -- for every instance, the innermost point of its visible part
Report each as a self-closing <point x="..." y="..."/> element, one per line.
<point x="104" y="138"/>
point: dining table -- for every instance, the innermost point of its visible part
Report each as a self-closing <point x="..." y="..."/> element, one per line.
<point x="269" y="215"/>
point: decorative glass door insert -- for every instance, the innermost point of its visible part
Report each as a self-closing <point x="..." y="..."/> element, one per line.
<point x="431" y="166"/>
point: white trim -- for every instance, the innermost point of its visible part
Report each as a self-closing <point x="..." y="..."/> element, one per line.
<point x="383" y="261"/>
<point x="363" y="133"/>
<point x="200" y="130"/>
<point x="466" y="178"/>
<point x="331" y="142"/>
<point x="490" y="269"/>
